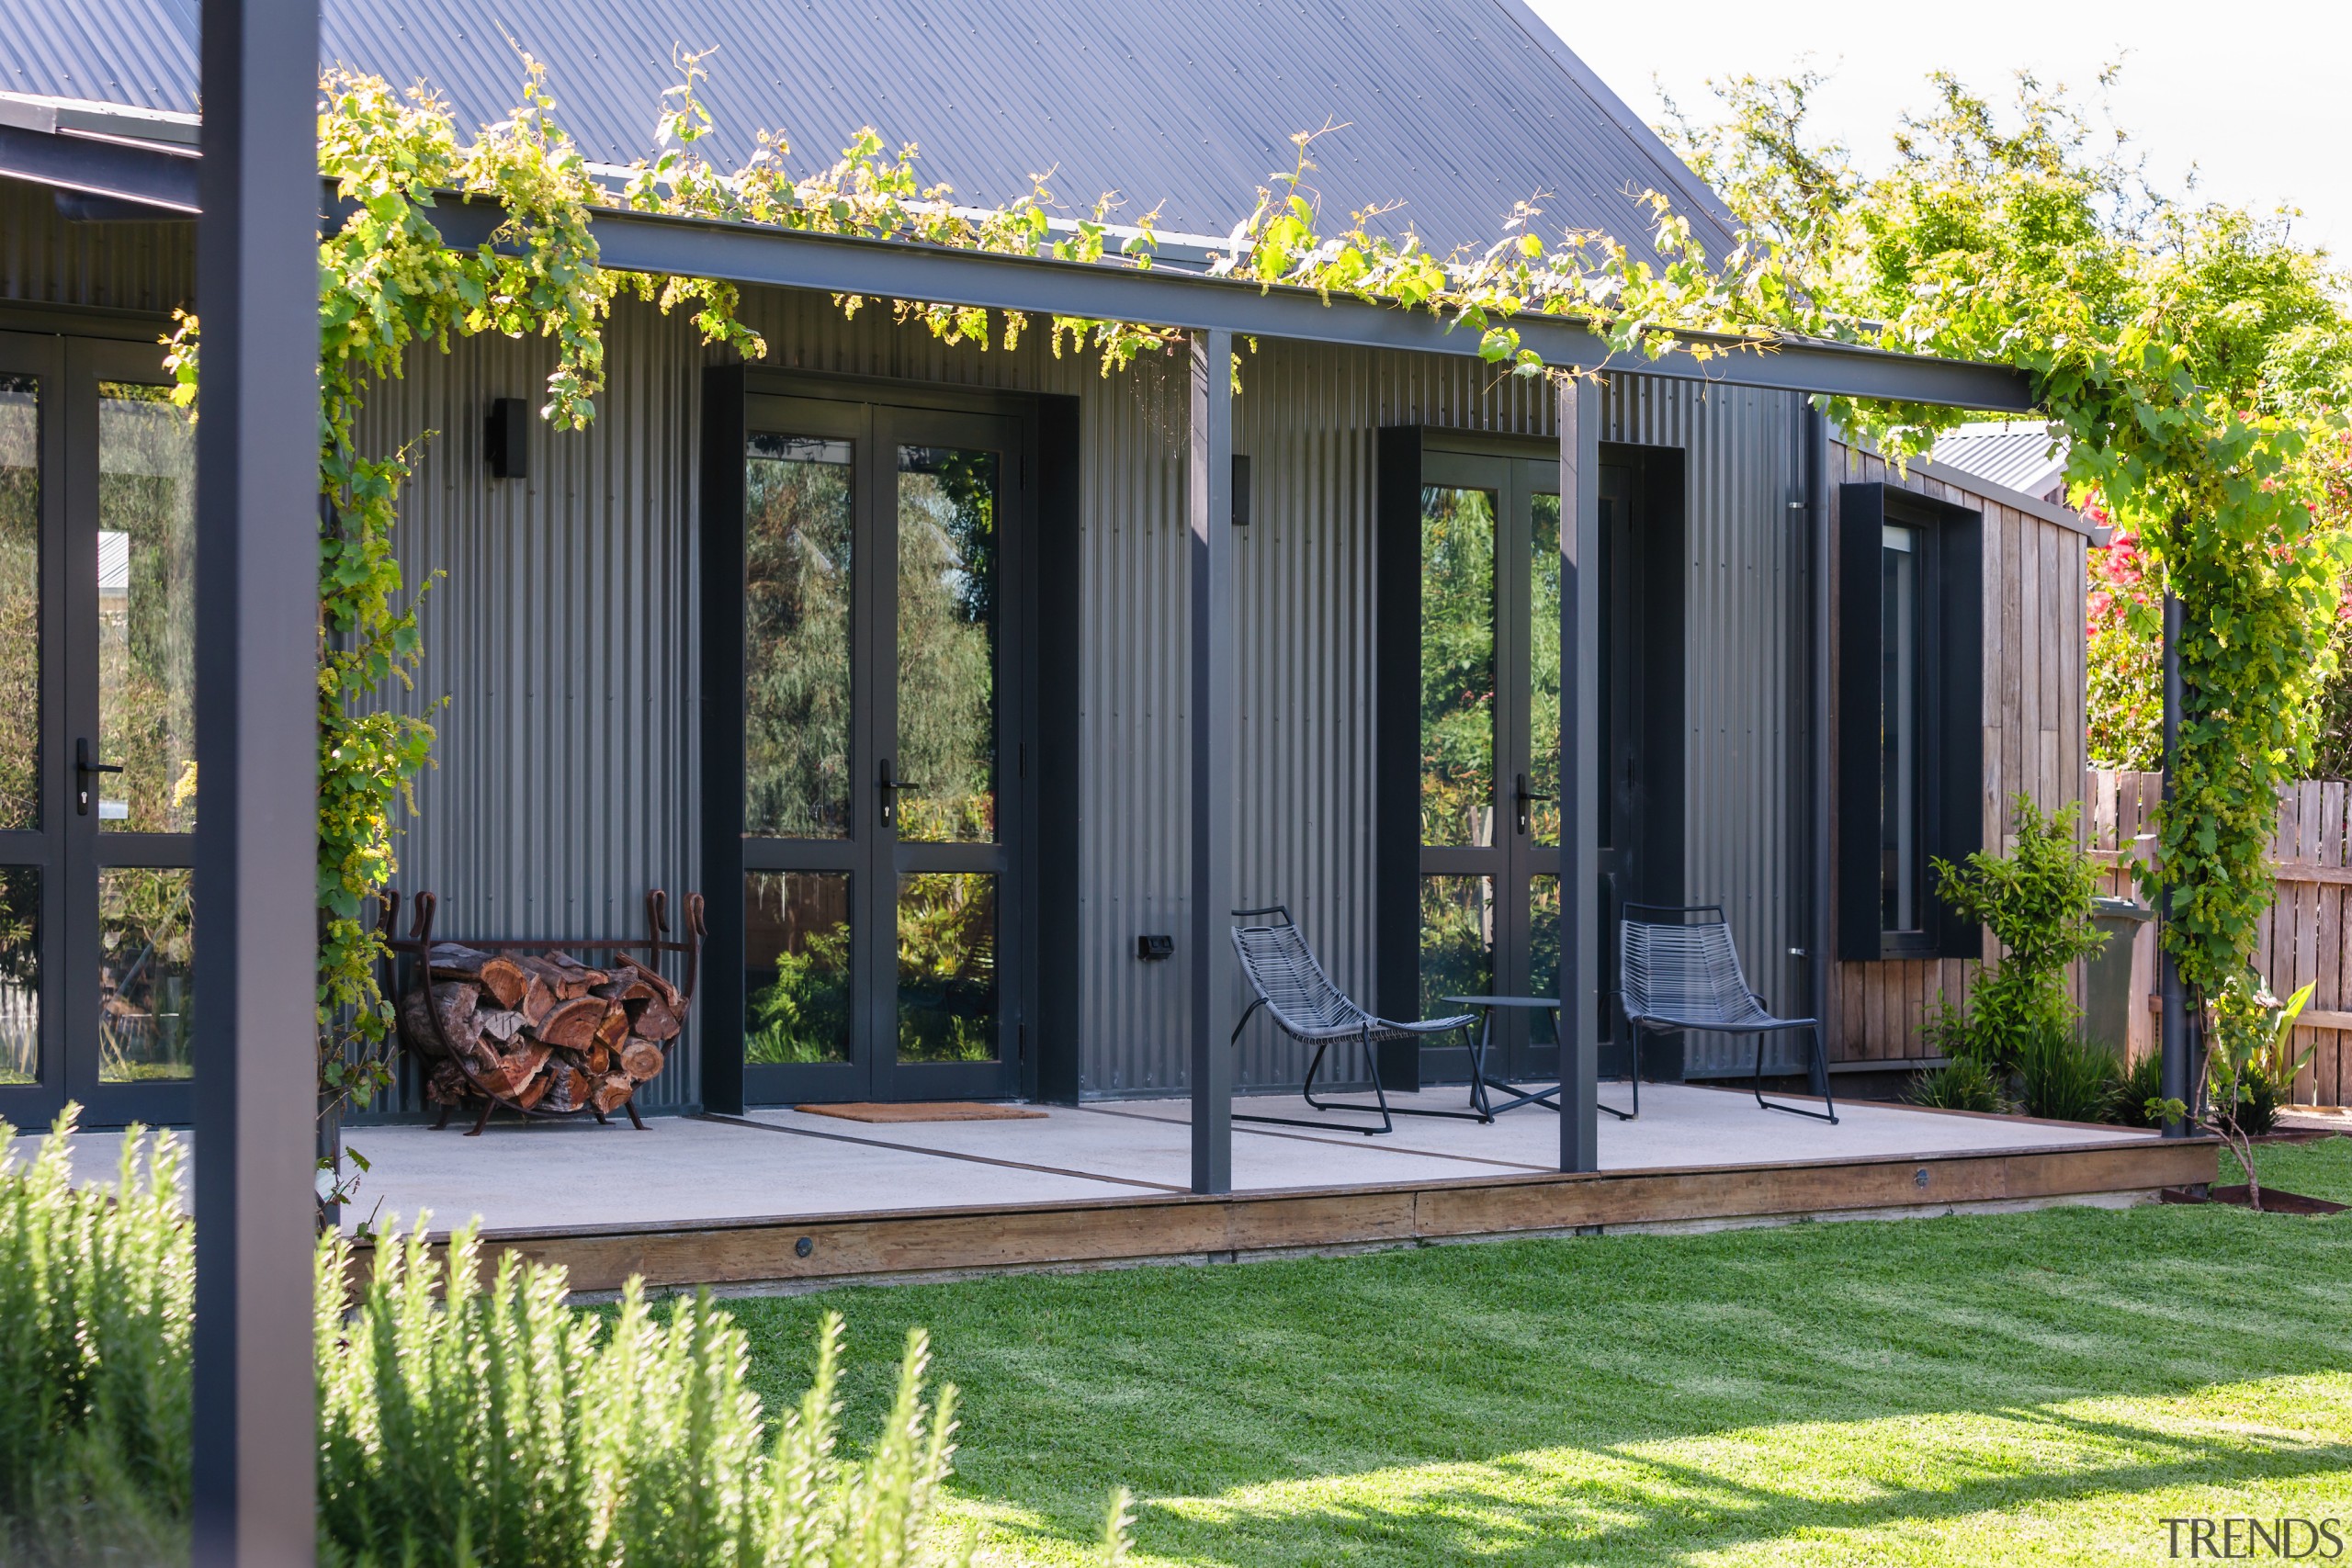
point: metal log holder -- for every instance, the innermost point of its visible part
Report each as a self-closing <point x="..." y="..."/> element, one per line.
<point x="418" y="947"/>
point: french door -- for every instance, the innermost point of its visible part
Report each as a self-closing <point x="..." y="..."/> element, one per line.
<point x="1490" y="744"/>
<point x="98" y="744"/>
<point x="882" y="716"/>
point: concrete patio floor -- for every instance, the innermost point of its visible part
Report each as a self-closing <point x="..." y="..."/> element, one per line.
<point x="783" y="1163"/>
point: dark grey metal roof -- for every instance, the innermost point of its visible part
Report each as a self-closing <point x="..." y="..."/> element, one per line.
<point x="1457" y="109"/>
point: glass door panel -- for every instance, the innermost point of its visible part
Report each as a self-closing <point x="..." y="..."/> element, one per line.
<point x="947" y="645"/>
<point x="799" y="540"/>
<point x="808" y="824"/>
<point x="796" y="957"/>
<point x="20" y="604"/>
<point x="98" y="757"/>
<point x="21" y="712"/>
<point x="1489" y="735"/>
<point x="145" y="941"/>
<point x="146" y="641"/>
<point x="1457" y="665"/>
<point x="947" y="730"/>
<point x="946" y="980"/>
<point x="877" y="735"/>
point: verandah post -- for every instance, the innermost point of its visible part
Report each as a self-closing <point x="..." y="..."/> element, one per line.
<point x="256" y="746"/>
<point x="1579" y="776"/>
<point x="1216" y="697"/>
<point x="2175" y="1080"/>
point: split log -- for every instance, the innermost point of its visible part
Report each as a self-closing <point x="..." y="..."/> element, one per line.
<point x="551" y="976"/>
<point x="572" y="1024"/>
<point x="642" y="1060"/>
<point x="513" y="1072"/>
<point x="597" y="1059"/>
<point x="615" y="1027"/>
<point x="501" y="1026"/>
<point x="577" y="979"/>
<point x="505" y="979"/>
<point x="533" y="1092"/>
<point x="611" y="1092"/>
<point x="569" y="1089"/>
<point x="657" y="1022"/>
<point x="455" y="961"/>
<point x="669" y="993"/>
<point x="453" y="1003"/>
<point x="537" y="1000"/>
<point x="445" y="1085"/>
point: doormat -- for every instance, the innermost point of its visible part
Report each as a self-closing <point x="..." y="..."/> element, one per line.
<point x="930" y="1111"/>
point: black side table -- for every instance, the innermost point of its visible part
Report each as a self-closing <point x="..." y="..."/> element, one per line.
<point x="1480" y="1083"/>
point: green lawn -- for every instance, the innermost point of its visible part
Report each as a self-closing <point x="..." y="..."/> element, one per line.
<point x="2037" y="1388"/>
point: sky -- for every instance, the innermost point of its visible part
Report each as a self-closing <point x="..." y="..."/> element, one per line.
<point x="2255" y="107"/>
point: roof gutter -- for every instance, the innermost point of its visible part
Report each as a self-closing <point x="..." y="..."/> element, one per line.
<point x="165" y="178"/>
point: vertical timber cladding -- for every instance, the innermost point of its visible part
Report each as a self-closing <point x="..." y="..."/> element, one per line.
<point x="2033" y="699"/>
<point x="565" y="779"/>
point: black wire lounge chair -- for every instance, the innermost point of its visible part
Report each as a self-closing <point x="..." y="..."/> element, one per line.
<point x="1291" y="985"/>
<point x="1686" y="974"/>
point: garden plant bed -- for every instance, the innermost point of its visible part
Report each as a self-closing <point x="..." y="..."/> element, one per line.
<point x="2273" y="1201"/>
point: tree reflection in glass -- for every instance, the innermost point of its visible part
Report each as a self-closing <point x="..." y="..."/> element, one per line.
<point x="1457" y="940"/>
<point x="146" y="569"/>
<point x="798" y="521"/>
<point x="947" y="994"/>
<point x="1457" y="666"/>
<point x="796" y="962"/>
<point x="19" y="603"/>
<point x="146" y="933"/>
<point x="948" y="569"/>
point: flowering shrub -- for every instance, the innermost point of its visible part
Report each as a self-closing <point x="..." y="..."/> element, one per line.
<point x="2124" y="707"/>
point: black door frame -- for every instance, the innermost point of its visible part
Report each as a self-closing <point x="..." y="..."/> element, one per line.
<point x="67" y="847"/>
<point x="1408" y="456"/>
<point x="876" y="414"/>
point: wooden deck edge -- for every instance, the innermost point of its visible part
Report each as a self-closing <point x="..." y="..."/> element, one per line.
<point x="787" y="1252"/>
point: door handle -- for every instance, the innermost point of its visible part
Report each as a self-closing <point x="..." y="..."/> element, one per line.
<point x="1525" y="796"/>
<point x="891" y="785"/>
<point x="84" y="771"/>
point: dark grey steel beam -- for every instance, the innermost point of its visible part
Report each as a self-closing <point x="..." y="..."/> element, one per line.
<point x="2176" y="1077"/>
<point x="1215" y="699"/>
<point x="256" y="728"/>
<point x="1821" y="941"/>
<point x="749" y="254"/>
<point x="746" y="253"/>
<point x="152" y="177"/>
<point x="1580" y="763"/>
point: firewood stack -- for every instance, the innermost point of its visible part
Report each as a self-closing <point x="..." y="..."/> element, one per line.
<point x="541" y="1033"/>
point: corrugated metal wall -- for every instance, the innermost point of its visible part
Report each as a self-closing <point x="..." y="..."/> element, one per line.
<point x="44" y="260"/>
<point x="562" y="638"/>
<point x="1744" y="692"/>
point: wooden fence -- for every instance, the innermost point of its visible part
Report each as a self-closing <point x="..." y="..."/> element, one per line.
<point x="2306" y="935"/>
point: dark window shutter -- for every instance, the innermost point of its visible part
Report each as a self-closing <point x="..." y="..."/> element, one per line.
<point x="1953" y="729"/>
<point x="1861" y="519"/>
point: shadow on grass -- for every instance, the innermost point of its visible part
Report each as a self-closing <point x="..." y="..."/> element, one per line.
<point x="1299" y="1411"/>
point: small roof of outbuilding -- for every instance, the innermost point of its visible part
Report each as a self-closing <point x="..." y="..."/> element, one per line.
<point x="1453" y="109"/>
<point x="2019" y="454"/>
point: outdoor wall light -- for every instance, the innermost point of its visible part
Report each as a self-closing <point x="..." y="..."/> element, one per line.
<point x="507" y="439"/>
<point x="1152" y="949"/>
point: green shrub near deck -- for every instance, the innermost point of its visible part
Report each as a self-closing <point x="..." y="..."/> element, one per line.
<point x="459" y="1422"/>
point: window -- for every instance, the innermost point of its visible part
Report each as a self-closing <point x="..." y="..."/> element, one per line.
<point x="1909" y="724"/>
<point x="1902" y="872"/>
